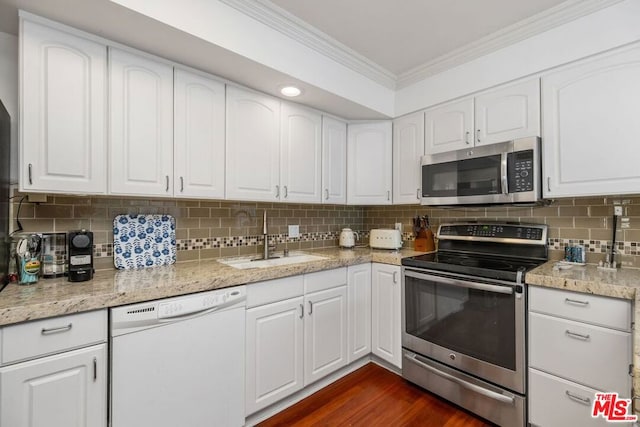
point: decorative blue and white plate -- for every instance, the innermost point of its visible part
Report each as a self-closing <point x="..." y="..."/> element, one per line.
<point x="144" y="241"/>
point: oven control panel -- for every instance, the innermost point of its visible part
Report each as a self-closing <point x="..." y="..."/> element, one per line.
<point x="473" y="231"/>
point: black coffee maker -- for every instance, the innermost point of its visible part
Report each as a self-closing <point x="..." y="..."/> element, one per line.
<point x="80" y="267"/>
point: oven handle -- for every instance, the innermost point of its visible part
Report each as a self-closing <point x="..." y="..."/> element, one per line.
<point x="504" y="173"/>
<point x="465" y="384"/>
<point x="462" y="283"/>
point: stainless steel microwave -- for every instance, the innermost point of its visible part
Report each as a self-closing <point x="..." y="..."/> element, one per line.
<point x="504" y="173"/>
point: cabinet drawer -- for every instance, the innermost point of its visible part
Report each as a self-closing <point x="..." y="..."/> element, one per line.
<point x="322" y="280"/>
<point x="554" y="402"/>
<point x="587" y="354"/>
<point x="597" y="310"/>
<point x="40" y="337"/>
<point x="274" y="290"/>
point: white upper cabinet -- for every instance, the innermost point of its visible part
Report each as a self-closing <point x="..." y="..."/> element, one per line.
<point x="252" y="146"/>
<point x="591" y="128"/>
<point x="369" y="165"/>
<point x="199" y="120"/>
<point x="63" y="110"/>
<point x="334" y="161"/>
<point x="508" y="113"/>
<point x="408" y="147"/>
<point x="300" y="154"/>
<point x="141" y="125"/>
<point x="449" y="127"/>
<point x="498" y="115"/>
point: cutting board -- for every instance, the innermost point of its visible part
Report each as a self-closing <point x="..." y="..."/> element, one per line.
<point x="143" y="241"/>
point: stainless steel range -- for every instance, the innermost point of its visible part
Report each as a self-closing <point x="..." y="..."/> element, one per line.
<point x="463" y="316"/>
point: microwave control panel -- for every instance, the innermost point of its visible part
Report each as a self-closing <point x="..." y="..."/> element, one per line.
<point x="520" y="171"/>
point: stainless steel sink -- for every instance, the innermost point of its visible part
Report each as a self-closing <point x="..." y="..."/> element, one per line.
<point x="251" y="261"/>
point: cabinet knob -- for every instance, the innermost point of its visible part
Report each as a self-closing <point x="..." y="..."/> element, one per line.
<point x="548" y="183"/>
<point x="181" y="184"/>
<point x="167" y="183"/>
<point x="277" y="191"/>
<point x="310" y="307"/>
<point x="395" y="277"/>
<point x="286" y="192"/>
<point x="30" y="175"/>
<point x="478" y="135"/>
<point x="326" y="194"/>
<point x="388" y="195"/>
<point x="466" y="137"/>
<point x="418" y="194"/>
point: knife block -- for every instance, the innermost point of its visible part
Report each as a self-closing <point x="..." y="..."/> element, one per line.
<point x="424" y="241"/>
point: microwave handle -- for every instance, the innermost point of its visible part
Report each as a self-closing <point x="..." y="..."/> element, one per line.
<point x="503" y="172"/>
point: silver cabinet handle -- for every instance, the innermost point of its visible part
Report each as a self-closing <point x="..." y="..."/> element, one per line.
<point x="326" y="194"/>
<point x="388" y="195"/>
<point x="49" y="331"/>
<point x="576" y="302"/>
<point x="167" y="183"/>
<point x="310" y="307"/>
<point x="577" y="335"/>
<point x="95" y="369"/>
<point x="462" y="383"/>
<point x="478" y="135"/>
<point x="583" y="400"/>
<point x="466" y="137"/>
<point x="286" y="192"/>
<point x="395" y="277"/>
<point x="301" y="311"/>
<point x="181" y="184"/>
<point x="30" y="174"/>
<point x="418" y="194"/>
<point x="548" y="183"/>
<point x="277" y="191"/>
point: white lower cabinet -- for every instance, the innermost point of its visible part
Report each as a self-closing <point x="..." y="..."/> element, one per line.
<point x="359" y="310"/>
<point x="63" y="390"/>
<point x="385" y="313"/>
<point x="50" y="381"/>
<point x="579" y="345"/>
<point x="296" y="334"/>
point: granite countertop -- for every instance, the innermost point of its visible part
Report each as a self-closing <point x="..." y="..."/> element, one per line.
<point x="621" y="283"/>
<point x="110" y="288"/>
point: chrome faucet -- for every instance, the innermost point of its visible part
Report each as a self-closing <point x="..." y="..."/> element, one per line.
<point x="267" y="247"/>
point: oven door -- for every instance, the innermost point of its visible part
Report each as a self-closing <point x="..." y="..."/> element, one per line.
<point x="474" y="325"/>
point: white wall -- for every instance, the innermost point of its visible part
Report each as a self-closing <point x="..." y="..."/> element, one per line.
<point x="9" y="91"/>
<point x="605" y="29"/>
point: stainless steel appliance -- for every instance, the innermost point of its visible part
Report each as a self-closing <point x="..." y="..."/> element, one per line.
<point x="463" y="316"/>
<point x="5" y="242"/>
<point x="505" y="173"/>
<point x="80" y="265"/>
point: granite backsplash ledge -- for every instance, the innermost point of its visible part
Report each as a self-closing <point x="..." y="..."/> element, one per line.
<point x="211" y="229"/>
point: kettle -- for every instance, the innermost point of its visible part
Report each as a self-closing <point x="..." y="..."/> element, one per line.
<point x="348" y="238"/>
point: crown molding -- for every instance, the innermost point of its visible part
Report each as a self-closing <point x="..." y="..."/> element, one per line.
<point x="561" y="14"/>
<point x="295" y="28"/>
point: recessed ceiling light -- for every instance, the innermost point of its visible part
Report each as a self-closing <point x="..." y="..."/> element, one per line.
<point x="290" y="91"/>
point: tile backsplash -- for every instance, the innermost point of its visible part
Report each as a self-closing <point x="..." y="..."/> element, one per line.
<point x="211" y="229"/>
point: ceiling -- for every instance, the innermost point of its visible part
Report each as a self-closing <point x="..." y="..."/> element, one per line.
<point x="400" y="35"/>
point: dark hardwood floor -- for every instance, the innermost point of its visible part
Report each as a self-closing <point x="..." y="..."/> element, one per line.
<point x="373" y="396"/>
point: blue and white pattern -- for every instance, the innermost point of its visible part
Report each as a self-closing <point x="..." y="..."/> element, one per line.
<point x="143" y="241"/>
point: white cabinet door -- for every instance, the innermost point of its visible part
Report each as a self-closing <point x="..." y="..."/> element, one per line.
<point x="590" y="126"/>
<point x="325" y="333"/>
<point x="64" y="390"/>
<point x="449" y="127"/>
<point x="334" y="161"/>
<point x="385" y="313"/>
<point x="274" y="358"/>
<point x="359" y="313"/>
<point x="252" y="146"/>
<point x="408" y="147"/>
<point x="300" y="154"/>
<point x="141" y="125"/>
<point x="199" y="120"/>
<point x="507" y="113"/>
<point x="369" y="167"/>
<point x="62" y="121"/>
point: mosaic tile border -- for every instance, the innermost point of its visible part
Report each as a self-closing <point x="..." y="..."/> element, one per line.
<point x="595" y="246"/>
<point x="592" y="246"/>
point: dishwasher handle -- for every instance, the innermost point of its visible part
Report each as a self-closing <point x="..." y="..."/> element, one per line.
<point x="186" y="309"/>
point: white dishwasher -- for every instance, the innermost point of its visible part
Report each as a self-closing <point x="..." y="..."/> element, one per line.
<point x="179" y="361"/>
